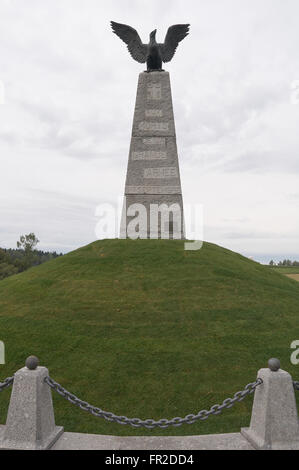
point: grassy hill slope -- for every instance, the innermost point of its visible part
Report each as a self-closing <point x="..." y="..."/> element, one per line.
<point x="145" y="329"/>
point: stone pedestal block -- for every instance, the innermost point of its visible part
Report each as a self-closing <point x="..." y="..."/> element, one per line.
<point x="274" y="421"/>
<point x="30" y="421"/>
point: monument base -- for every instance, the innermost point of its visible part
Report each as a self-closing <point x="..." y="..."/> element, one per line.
<point x="153" y="217"/>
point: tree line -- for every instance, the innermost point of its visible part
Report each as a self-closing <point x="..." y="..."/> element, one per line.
<point x="285" y="262"/>
<point x="14" y="261"/>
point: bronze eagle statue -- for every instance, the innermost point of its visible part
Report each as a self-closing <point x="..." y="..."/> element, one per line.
<point x="153" y="53"/>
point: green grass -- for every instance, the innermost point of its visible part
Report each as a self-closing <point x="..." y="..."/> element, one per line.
<point x="145" y="329"/>
<point x="286" y="269"/>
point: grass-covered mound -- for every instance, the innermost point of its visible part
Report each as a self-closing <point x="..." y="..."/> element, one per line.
<point x="145" y="329"/>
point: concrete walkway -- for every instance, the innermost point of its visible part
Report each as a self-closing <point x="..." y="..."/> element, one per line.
<point x="78" y="441"/>
<point x="73" y="441"/>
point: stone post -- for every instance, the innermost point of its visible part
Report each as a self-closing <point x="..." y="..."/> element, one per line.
<point x="30" y="421"/>
<point x="274" y="421"/>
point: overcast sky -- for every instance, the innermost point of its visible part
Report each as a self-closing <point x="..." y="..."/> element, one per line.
<point x="70" y="88"/>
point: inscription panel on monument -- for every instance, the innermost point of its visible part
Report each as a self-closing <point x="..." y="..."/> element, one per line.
<point x="149" y="155"/>
<point x="154" y="91"/>
<point x="168" y="172"/>
<point x="153" y="113"/>
<point x="153" y="126"/>
<point x="155" y="141"/>
<point x="153" y="190"/>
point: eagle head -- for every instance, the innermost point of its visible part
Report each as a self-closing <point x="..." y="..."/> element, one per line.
<point x="153" y="34"/>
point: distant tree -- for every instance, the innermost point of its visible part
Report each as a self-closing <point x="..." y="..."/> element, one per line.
<point x="13" y="261"/>
<point x="7" y="270"/>
<point x="272" y="263"/>
<point x="28" y="242"/>
<point x="287" y="262"/>
<point x="3" y="256"/>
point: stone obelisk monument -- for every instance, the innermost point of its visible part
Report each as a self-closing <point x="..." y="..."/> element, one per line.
<point x="153" y="196"/>
<point x="153" y="176"/>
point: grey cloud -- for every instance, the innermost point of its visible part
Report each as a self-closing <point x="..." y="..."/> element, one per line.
<point x="263" y="162"/>
<point x="9" y="137"/>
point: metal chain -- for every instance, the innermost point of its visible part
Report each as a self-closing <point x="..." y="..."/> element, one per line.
<point x="296" y="386"/>
<point x="7" y="383"/>
<point x="150" y="423"/>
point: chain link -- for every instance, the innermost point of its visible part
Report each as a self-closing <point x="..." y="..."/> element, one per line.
<point x="150" y="423"/>
<point x="296" y="386"/>
<point x="7" y="383"/>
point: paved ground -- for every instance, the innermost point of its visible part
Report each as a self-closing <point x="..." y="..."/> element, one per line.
<point x="210" y="442"/>
<point x="76" y="441"/>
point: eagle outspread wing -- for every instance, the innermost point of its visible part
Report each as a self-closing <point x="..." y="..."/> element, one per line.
<point x="130" y="36"/>
<point x="175" y="34"/>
